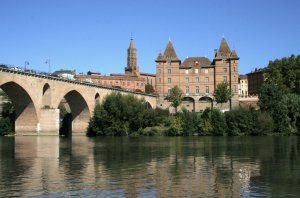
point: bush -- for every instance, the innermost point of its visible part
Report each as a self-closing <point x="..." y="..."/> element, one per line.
<point x="212" y="122"/>
<point x="5" y="126"/>
<point x="191" y="121"/>
<point x="264" y="124"/>
<point x="121" y="115"/>
<point x="240" y="121"/>
<point x="175" y="125"/>
<point x="153" y="131"/>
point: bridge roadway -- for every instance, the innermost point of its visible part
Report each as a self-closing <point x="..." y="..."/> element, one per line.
<point x="36" y="99"/>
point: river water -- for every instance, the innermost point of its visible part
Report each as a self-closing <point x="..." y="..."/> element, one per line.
<point x="150" y="167"/>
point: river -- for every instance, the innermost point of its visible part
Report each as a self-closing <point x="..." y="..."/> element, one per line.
<point x="150" y="167"/>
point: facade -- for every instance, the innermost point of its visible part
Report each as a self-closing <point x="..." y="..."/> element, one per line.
<point x="197" y="77"/>
<point x="255" y="81"/>
<point x="243" y="86"/>
<point x="132" y="79"/>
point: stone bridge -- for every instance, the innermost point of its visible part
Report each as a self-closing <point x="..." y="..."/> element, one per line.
<point x="36" y="99"/>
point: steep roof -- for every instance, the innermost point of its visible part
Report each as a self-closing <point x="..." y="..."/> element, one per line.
<point x="225" y="52"/>
<point x="224" y="48"/>
<point x="131" y="45"/>
<point x="234" y="54"/>
<point x="160" y="57"/>
<point x="170" y="52"/>
<point x="195" y="62"/>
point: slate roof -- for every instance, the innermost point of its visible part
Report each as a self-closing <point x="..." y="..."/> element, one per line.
<point x="195" y="62"/>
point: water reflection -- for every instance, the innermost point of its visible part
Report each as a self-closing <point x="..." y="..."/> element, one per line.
<point x="150" y="167"/>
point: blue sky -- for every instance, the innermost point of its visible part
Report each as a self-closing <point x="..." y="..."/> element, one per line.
<point x="94" y="34"/>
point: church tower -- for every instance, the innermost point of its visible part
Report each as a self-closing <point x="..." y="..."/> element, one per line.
<point x="131" y="67"/>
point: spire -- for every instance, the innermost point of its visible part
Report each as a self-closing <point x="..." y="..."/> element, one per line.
<point x="223" y="51"/>
<point x="131" y="58"/>
<point x="224" y="48"/>
<point x="131" y="45"/>
<point x="170" y="52"/>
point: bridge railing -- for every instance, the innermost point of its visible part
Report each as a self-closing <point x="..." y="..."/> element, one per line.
<point x="41" y="74"/>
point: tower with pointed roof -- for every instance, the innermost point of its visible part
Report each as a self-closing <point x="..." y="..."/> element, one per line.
<point x="131" y="67"/>
<point x="226" y="67"/>
<point x="167" y="70"/>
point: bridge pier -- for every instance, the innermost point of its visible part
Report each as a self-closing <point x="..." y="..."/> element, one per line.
<point x="49" y="122"/>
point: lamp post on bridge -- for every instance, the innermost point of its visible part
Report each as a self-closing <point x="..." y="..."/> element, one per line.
<point x="25" y="65"/>
<point x="49" y="65"/>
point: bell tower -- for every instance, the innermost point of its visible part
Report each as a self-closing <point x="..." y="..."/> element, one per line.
<point x="131" y="67"/>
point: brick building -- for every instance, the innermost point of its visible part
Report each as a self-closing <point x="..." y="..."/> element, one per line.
<point x="255" y="81"/>
<point x="132" y="79"/>
<point x="197" y="77"/>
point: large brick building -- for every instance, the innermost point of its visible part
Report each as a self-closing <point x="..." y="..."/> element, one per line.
<point x="132" y="79"/>
<point x="197" y="77"/>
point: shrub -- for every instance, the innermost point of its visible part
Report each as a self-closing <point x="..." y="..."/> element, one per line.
<point x="175" y="125"/>
<point x="264" y="124"/>
<point x="5" y="126"/>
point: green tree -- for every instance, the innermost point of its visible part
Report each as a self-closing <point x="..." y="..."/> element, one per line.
<point x="191" y="122"/>
<point x="175" y="97"/>
<point x="149" y="89"/>
<point x="223" y="93"/>
<point x="123" y="115"/>
<point x="285" y="73"/>
<point x="212" y="122"/>
<point x="271" y="99"/>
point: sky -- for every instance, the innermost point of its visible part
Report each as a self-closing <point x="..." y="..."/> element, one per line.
<point x="93" y="35"/>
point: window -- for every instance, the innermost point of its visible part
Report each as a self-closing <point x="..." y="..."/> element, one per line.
<point x="206" y="71"/>
<point x="186" y="71"/>
<point x="169" y="80"/>
<point x="196" y="71"/>
<point x="187" y="89"/>
<point x="224" y="61"/>
<point x="110" y="82"/>
<point x="169" y="90"/>
<point x="159" y="80"/>
<point x="225" y="78"/>
<point x="234" y="69"/>
<point x="169" y="71"/>
<point x="197" y="79"/>
<point x="207" y="89"/>
<point x="137" y="84"/>
<point x="123" y="83"/>
<point x="235" y="89"/>
<point x="187" y="79"/>
<point x="225" y="70"/>
<point x="142" y="84"/>
<point x="128" y="83"/>
<point x="159" y="71"/>
<point x="197" y="89"/>
<point x="206" y="79"/>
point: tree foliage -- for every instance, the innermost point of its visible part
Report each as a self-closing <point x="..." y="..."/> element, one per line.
<point x="175" y="97"/>
<point x="223" y="93"/>
<point x="122" y="115"/>
<point x="285" y="73"/>
<point x="149" y="89"/>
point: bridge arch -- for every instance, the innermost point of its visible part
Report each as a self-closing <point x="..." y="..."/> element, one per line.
<point x="97" y="98"/>
<point x="79" y="111"/>
<point x="26" y="117"/>
<point x="46" y="98"/>
<point x="148" y="105"/>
